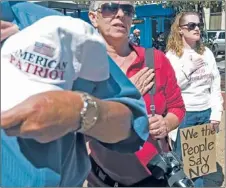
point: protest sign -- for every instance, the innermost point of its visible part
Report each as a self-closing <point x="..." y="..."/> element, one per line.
<point x="198" y="150"/>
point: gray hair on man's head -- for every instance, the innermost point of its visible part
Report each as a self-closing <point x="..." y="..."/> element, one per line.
<point x="94" y="5"/>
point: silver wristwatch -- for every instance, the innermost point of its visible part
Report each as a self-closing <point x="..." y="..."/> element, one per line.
<point x="89" y="113"/>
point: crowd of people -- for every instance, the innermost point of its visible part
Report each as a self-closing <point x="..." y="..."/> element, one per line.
<point x="77" y="101"/>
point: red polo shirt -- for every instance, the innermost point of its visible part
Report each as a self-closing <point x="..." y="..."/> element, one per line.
<point x="166" y="99"/>
<point x="168" y="94"/>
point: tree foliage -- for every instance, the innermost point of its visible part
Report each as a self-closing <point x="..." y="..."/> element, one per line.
<point x="195" y="5"/>
<point x="178" y="5"/>
<point x="185" y="4"/>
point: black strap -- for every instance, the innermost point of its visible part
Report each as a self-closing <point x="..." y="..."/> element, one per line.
<point x="149" y="61"/>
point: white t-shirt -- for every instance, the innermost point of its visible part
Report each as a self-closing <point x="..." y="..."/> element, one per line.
<point x="201" y="89"/>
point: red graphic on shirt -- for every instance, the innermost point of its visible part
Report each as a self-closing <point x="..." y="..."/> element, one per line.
<point x="202" y="74"/>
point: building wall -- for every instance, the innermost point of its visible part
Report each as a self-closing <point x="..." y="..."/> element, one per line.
<point x="207" y="17"/>
<point x="214" y="21"/>
<point x="223" y="20"/>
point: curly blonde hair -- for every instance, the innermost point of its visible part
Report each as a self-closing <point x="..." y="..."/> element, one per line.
<point x="175" y="42"/>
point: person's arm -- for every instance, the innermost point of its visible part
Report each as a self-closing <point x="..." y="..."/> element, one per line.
<point x="7" y="29"/>
<point x="215" y="91"/>
<point x="174" y="100"/>
<point x="42" y="118"/>
<point x="113" y="124"/>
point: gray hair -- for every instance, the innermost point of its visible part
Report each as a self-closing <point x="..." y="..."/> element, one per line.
<point x="94" y="5"/>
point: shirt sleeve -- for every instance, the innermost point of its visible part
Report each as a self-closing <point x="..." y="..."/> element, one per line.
<point x="215" y="91"/>
<point x="174" y="100"/>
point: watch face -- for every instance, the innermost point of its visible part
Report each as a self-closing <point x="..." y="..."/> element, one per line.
<point x="91" y="115"/>
<point x="90" y="112"/>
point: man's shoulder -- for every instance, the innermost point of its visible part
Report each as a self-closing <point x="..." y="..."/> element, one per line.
<point x="139" y="49"/>
<point x="159" y="53"/>
<point x="159" y="56"/>
<point x="162" y="62"/>
<point x="142" y="50"/>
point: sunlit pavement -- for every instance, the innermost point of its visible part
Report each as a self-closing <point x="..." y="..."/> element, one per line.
<point x="217" y="179"/>
<point x="221" y="66"/>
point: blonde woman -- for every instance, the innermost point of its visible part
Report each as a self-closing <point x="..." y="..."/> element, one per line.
<point x="197" y="75"/>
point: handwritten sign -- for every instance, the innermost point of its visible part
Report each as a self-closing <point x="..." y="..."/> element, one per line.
<point x="198" y="150"/>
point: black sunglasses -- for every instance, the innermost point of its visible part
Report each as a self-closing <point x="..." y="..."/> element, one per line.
<point x="192" y="25"/>
<point x="111" y="9"/>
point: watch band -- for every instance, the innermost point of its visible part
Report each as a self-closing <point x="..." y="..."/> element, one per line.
<point x="89" y="113"/>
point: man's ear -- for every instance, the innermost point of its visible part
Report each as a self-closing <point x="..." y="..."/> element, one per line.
<point x="93" y="18"/>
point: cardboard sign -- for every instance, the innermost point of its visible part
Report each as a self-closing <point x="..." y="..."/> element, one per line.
<point x="198" y="145"/>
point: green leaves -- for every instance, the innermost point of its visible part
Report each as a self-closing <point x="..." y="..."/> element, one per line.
<point x="178" y="5"/>
<point x="185" y="5"/>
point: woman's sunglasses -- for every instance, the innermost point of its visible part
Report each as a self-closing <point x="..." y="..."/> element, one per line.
<point x="111" y="9"/>
<point x="192" y="25"/>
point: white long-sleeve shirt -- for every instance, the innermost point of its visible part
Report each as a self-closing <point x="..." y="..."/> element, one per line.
<point x="201" y="89"/>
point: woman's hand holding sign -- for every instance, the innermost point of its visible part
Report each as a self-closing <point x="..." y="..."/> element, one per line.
<point x="215" y="125"/>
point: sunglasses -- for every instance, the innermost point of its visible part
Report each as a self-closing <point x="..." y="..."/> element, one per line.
<point x="192" y="25"/>
<point x="111" y="9"/>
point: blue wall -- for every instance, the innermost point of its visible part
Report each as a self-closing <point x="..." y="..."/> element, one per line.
<point x="154" y="17"/>
<point x="84" y="16"/>
<point x="153" y="11"/>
